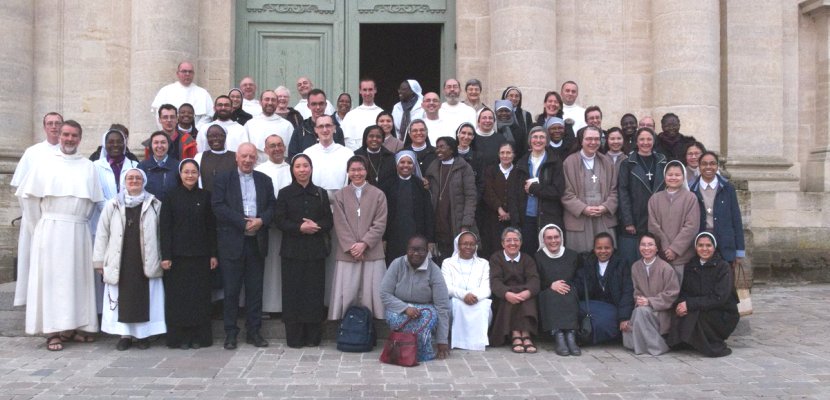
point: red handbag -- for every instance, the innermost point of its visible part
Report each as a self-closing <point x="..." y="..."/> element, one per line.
<point x="401" y="348"/>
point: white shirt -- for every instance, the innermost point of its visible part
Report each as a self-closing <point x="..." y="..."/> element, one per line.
<point x="178" y="94"/>
<point x="302" y="108"/>
<point x="329" y="165"/>
<point x="252" y="107"/>
<point x="280" y="174"/>
<point x="32" y="157"/>
<point x="576" y="113"/>
<point x="356" y="122"/>
<point x="259" y="128"/>
<point x="438" y="128"/>
<point x="236" y="135"/>
<point x="456" y="115"/>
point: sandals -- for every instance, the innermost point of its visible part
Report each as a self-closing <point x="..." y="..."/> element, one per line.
<point x="518" y="347"/>
<point x="528" y="345"/>
<point x="54" y="343"/>
<point x="77" y="337"/>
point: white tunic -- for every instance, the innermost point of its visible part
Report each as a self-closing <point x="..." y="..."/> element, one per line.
<point x="397" y="114"/>
<point x="469" y="322"/>
<point x="356" y="122"/>
<point x="236" y="135"/>
<point x="31" y="157"/>
<point x="329" y="165"/>
<point x="438" y="128"/>
<point x="457" y="115"/>
<point x="59" y="195"/>
<point x="280" y="175"/>
<point x="302" y="108"/>
<point x="576" y="113"/>
<point x="259" y="128"/>
<point x="252" y="107"/>
<point x="178" y="94"/>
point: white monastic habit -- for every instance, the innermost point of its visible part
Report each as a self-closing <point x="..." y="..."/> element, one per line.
<point x="236" y="135"/>
<point x="178" y="94"/>
<point x="259" y="128"/>
<point x="437" y="128"/>
<point x="576" y="113"/>
<point x="252" y="107"/>
<point x="302" y="108"/>
<point x="32" y="157"/>
<point x="457" y="115"/>
<point x="280" y="175"/>
<point x="59" y="195"/>
<point x="469" y="322"/>
<point x="356" y="122"/>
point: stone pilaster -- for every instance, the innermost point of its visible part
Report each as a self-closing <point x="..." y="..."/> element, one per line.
<point x="48" y="61"/>
<point x="473" y="43"/>
<point x="164" y="33"/>
<point x="16" y="70"/>
<point x="216" y="47"/>
<point x="686" y="66"/>
<point x="818" y="160"/>
<point x="522" y="50"/>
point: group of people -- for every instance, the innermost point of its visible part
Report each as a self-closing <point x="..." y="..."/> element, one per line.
<point x="468" y="225"/>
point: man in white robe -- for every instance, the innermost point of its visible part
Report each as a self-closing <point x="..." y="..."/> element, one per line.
<point x="280" y="173"/>
<point x="266" y="124"/>
<point x="31" y="157"/>
<point x="359" y="118"/>
<point x="453" y="111"/>
<point x="436" y="127"/>
<point x="250" y="104"/>
<point x="59" y="195"/>
<point x="184" y="91"/>
<point x="304" y="86"/>
<point x="328" y="160"/>
<point x="236" y="134"/>
<point x="571" y="110"/>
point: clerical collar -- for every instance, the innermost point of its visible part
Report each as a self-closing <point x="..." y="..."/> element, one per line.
<point x="420" y="148"/>
<point x="557" y="145"/>
<point x="405" y="178"/>
<point x="243" y="174"/>
<point x="463" y="151"/>
<point x="372" y="152"/>
<point x="223" y="151"/>
<point x="486" y="134"/>
<point x="448" y="162"/>
<point x="188" y="130"/>
<point x="508" y="259"/>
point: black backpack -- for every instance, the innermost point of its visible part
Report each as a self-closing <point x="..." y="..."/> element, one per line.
<point x="357" y="331"/>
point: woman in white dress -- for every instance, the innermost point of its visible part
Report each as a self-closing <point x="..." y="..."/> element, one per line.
<point x="468" y="282"/>
<point x="128" y="255"/>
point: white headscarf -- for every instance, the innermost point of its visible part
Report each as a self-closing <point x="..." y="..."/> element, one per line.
<point x="416" y="88"/>
<point x="455" y="252"/>
<point x="682" y="168"/>
<point x="124" y="198"/>
<point x="416" y="169"/>
<point x="542" y="241"/>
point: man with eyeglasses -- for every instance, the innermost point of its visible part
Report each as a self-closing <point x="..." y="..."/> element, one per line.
<point x="305" y="135"/>
<point x="181" y="145"/>
<point x="184" y="91"/>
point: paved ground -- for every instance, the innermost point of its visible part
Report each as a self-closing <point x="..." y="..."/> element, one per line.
<point x="782" y="355"/>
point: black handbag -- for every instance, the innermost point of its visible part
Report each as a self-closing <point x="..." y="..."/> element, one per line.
<point x="586" y="325"/>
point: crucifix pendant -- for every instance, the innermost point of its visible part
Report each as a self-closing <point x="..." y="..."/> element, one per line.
<point x="649" y="175"/>
<point x="358" y="212"/>
<point x="129" y="222"/>
<point x="594" y="178"/>
<point x="709" y="211"/>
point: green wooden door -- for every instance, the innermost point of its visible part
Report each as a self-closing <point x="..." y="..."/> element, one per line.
<point x="279" y="41"/>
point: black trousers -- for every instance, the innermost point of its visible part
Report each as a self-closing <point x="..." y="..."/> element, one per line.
<point x="245" y="271"/>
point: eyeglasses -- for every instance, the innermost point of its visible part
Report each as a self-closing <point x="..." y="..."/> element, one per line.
<point x="186" y="71"/>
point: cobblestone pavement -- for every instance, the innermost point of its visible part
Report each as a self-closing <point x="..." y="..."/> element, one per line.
<point x="782" y="355"/>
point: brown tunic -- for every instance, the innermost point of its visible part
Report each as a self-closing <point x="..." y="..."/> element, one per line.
<point x="675" y="220"/>
<point x="660" y="286"/>
<point x="213" y="164"/>
<point x="133" y="285"/>
<point x="513" y="277"/>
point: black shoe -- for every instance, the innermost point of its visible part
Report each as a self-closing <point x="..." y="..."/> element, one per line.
<point x="230" y="342"/>
<point x="559" y="347"/>
<point x="195" y="346"/>
<point x="123" y="344"/>
<point x="570" y="340"/>
<point x="256" y="339"/>
<point x="142" y="344"/>
<point x="727" y="351"/>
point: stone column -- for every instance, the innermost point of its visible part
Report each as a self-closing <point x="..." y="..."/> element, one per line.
<point x="216" y="47"/>
<point x="818" y="161"/>
<point x="472" y="19"/>
<point x="48" y="61"/>
<point x="686" y="66"/>
<point x="522" y="50"/>
<point x="16" y="70"/>
<point x="164" y="33"/>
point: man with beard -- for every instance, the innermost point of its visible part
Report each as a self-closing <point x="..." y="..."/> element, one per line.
<point x="305" y="135"/>
<point x="184" y="91"/>
<point x="671" y="142"/>
<point x="454" y="112"/>
<point x="266" y="124"/>
<point x="236" y="134"/>
<point x="304" y="88"/>
<point x="249" y="102"/>
<point x="182" y="145"/>
<point x="59" y="195"/>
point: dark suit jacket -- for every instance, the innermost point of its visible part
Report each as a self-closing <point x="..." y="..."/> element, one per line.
<point x="230" y="216"/>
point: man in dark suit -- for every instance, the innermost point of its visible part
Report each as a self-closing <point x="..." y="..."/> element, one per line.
<point x="243" y="201"/>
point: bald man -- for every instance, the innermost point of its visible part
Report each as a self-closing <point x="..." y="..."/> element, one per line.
<point x="304" y="87"/>
<point x="250" y="103"/>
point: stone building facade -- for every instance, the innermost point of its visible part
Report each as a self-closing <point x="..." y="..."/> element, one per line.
<point x="750" y="78"/>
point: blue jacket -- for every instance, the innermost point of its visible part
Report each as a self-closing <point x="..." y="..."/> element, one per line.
<point x="160" y="180"/>
<point x="728" y="225"/>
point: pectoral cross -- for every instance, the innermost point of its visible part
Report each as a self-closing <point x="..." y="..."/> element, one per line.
<point x="129" y="222"/>
<point x="358" y="213"/>
<point x="709" y="211"/>
<point x="649" y="175"/>
<point x="594" y="178"/>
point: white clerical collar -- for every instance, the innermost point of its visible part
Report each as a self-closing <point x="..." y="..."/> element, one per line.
<point x="448" y="162"/>
<point x="463" y="151"/>
<point x="223" y="151"/>
<point x="372" y="152"/>
<point x="179" y="127"/>
<point x="420" y="148"/>
<point x="508" y="259"/>
<point x="557" y="145"/>
<point x="406" y="179"/>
